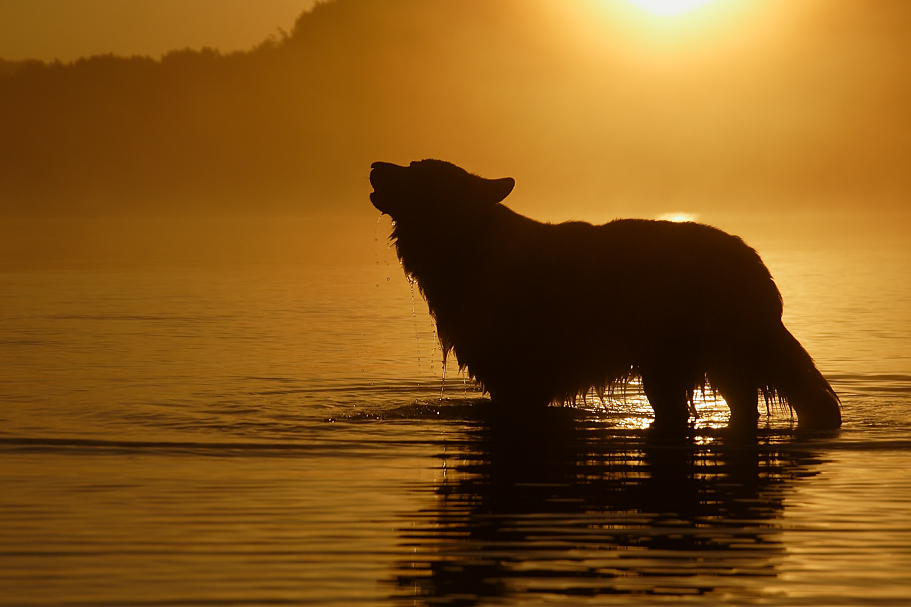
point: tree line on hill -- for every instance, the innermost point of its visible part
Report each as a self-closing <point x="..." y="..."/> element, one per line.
<point x="292" y="123"/>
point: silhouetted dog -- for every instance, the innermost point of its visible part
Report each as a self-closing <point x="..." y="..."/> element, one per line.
<point x="545" y="312"/>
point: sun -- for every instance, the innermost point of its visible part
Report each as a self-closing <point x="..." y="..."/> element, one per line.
<point x="678" y="217"/>
<point x="669" y="8"/>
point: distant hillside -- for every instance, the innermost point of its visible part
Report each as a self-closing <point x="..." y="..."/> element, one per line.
<point x="566" y="102"/>
<point x="294" y="122"/>
<point x="8" y="68"/>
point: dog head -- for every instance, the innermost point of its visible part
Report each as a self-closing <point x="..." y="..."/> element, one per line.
<point x="433" y="188"/>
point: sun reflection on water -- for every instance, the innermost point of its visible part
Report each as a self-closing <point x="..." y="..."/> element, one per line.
<point x="629" y="409"/>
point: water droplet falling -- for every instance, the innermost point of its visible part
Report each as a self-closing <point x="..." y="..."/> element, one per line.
<point x="443" y="381"/>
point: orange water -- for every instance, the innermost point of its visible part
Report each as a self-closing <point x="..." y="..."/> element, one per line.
<point x="186" y="431"/>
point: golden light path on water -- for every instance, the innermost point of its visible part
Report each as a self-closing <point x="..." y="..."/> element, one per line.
<point x="669" y="8"/>
<point x="629" y="409"/>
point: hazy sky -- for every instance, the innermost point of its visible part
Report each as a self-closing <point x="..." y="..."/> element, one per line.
<point x="760" y="105"/>
<point x="69" y="29"/>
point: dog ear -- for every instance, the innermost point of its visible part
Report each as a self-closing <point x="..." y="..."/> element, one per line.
<point x="495" y="190"/>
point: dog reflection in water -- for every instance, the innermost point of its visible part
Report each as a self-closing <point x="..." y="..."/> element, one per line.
<point x="541" y="313"/>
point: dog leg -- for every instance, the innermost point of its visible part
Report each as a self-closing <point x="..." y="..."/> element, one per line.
<point x="667" y="397"/>
<point x="742" y="400"/>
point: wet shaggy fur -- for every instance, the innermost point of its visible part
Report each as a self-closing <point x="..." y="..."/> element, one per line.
<point x="542" y="313"/>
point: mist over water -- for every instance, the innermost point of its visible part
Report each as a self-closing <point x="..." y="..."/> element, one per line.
<point x="246" y="411"/>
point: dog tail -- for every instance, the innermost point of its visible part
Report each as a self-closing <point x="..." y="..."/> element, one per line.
<point x="799" y="384"/>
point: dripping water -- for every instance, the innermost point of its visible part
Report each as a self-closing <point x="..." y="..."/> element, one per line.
<point x="376" y="240"/>
<point x="443" y="379"/>
<point x="414" y="318"/>
<point x="434" y="336"/>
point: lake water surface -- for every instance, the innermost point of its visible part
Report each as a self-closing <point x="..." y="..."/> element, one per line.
<point x="180" y="430"/>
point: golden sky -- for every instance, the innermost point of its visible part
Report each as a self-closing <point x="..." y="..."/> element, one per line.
<point x="69" y="29"/>
<point x="596" y="107"/>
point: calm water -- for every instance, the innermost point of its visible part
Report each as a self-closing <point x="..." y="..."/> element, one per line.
<point x="180" y="431"/>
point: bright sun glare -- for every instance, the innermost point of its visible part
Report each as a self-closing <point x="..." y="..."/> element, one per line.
<point x="669" y="8"/>
<point x="678" y="217"/>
